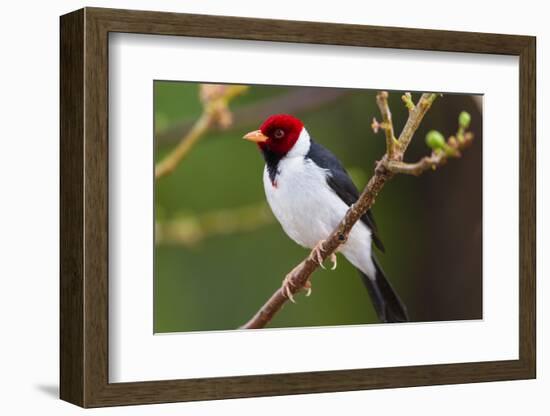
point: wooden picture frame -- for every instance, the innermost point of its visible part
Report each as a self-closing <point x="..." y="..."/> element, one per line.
<point x="84" y="207"/>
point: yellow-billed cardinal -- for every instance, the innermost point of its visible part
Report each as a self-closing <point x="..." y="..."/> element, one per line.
<point x="309" y="192"/>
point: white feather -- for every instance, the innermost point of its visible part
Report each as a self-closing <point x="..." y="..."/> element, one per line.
<point x="309" y="210"/>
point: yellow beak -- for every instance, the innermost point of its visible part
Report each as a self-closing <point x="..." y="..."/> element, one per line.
<point x="255" y="136"/>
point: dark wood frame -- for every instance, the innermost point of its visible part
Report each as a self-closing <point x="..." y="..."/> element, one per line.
<point x="84" y="207"/>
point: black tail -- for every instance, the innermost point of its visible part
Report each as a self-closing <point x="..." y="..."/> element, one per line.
<point x="387" y="304"/>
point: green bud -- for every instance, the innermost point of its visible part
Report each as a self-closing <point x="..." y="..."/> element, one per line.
<point x="435" y="140"/>
<point x="464" y="120"/>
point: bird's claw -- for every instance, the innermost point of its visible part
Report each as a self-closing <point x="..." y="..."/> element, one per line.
<point x="307" y="287"/>
<point x="334" y="261"/>
<point x="287" y="287"/>
<point x="316" y="253"/>
<point x="318" y="257"/>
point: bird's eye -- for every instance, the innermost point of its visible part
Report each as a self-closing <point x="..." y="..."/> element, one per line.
<point x="279" y="133"/>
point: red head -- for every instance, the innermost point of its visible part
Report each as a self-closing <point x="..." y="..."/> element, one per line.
<point x="277" y="134"/>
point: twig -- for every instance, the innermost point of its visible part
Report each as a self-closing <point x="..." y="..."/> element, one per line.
<point x="169" y="163"/>
<point x="215" y="101"/>
<point x="300" y="99"/>
<point x="436" y="159"/>
<point x="408" y="101"/>
<point x="387" y="123"/>
<point x="382" y="173"/>
<point x="189" y="230"/>
<point x="415" y="117"/>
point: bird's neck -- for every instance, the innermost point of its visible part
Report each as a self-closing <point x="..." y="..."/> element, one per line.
<point x="273" y="159"/>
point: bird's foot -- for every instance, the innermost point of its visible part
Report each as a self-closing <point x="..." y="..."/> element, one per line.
<point x="316" y="253"/>
<point x="288" y="286"/>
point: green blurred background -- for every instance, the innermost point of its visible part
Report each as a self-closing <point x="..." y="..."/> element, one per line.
<point x="220" y="253"/>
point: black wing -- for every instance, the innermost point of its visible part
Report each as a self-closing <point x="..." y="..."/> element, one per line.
<point x="342" y="185"/>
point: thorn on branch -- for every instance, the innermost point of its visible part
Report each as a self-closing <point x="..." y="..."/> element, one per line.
<point x="375" y="125"/>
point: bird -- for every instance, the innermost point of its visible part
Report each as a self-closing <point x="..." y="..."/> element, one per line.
<point x="309" y="192"/>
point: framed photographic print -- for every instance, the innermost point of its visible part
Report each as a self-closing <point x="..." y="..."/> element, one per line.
<point x="259" y="207"/>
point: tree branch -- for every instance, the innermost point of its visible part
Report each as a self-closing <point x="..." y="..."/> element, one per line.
<point x="298" y="99"/>
<point x="436" y="159"/>
<point x="215" y="100"/>
<point x="415" y="117"/>
<point x="385" y="169"/>
<point x="191" y="229"/>
<point x="387" y="123"/>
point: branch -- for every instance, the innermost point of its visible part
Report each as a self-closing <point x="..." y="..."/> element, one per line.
<point x="387" y="124"/>
<point x="300" y="275"/>
<point x="189" y="230"/>
<point x="299" y="99"/>
<point x="436" y="159"/>
<point x="215" y="100"/>
<point x="415" y="117"/>
<point x="408" y="101"/>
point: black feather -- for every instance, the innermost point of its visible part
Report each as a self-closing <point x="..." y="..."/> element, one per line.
<point x="341" y="183"/>
<point x="272" y="160"/>
<point x="387" y="304"/>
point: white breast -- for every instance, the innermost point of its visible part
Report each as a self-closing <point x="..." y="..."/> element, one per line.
<point x="308" y="209"/>
<point x="302" y="201"/>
